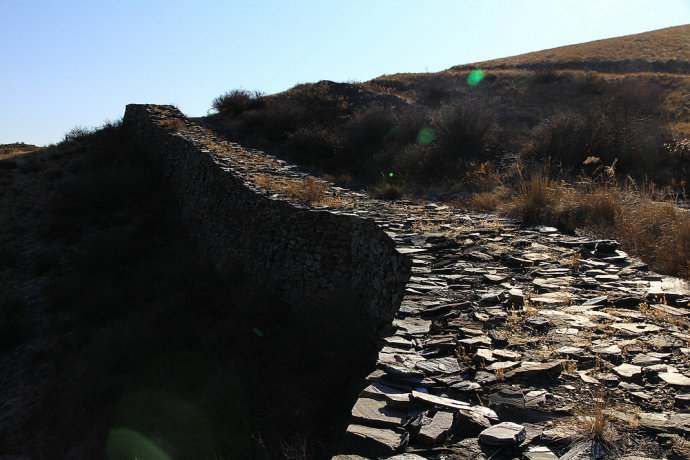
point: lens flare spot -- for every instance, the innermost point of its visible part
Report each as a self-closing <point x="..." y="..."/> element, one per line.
<point x="257" y="332"/>
<point x="126" y="444"/>
<point x="475" y="77"/>
<point x="425" y="136"/>
<point x="390" y="174"/>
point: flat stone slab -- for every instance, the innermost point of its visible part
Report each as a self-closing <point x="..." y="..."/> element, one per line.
<point x="532" y="369"/>
<point x="674" y="378"/>
<point x="413" y="326"/>
<point x="645" y="360"/>
<point x="440" y="401"/>
<point x="440" y="425"/>
<point x="636" y="328"/>
<point x="505" y="433"/>
<point x="378" y="441"/>
<point x="376" y="413"/>
<point x="628" y="371"/>
<point x="392" y="395"/>
<point x="540" y="453"/>
<point x="438" y="366"/>
<point x="406" y="457"/>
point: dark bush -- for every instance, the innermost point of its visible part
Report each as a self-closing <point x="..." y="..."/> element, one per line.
<point x="315" y="145"/>
<point x="77" y="133"/>
<point x="237" y="101"/>
<point x="546" y="74"/>
<point x="588" y="83"/>
<point x="639" y="98"/>
<point x="609" y="133"/>
<point x="370" y="127"/>
<point x="463" y="132"/>
<point x="435" y="90"/>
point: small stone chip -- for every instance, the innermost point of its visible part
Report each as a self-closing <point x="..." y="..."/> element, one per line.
<point x="540" y="453"/>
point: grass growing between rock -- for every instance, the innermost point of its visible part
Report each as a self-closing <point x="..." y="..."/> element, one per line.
<point x="654" y="229"/>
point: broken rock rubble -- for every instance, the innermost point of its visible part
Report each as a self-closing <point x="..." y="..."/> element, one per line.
<point x="506" y="333"/>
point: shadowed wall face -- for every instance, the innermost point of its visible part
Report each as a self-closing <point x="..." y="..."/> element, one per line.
<point x="305" y="255"/>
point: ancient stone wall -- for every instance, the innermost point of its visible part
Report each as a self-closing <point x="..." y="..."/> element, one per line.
<point x="314" y="258"/>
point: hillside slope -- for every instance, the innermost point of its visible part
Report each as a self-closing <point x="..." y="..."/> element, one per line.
<point x="664" y="50"/>
<point x="611" y="113"/>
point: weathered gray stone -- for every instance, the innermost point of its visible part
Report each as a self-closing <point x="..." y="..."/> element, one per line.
<point x="438" y="427"/>
<point x="376" y="413"/>
<point x="393" y="396"/>
<point x="466" y="386"/>
<point x="537" y="322"/>
<point x="468" y="448"/>
<point x="470" y="423"/>
<point x="533" y="369"/>
<point x="440" y="401"/>
<point x="673" y="378"/>
<point x="540" y="453"/>
<point x="628" y="371"/>
<point x="406" y="457"/>
<point x="378" y="441"/>
<point x="585" y="450"/>
<point x="505" y="433"/>
<point x="635" y="329"/>
<point x="438" y="366"/>
<point x="645" y="360"/>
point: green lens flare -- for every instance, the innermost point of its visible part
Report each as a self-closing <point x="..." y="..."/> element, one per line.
<point x="425" y="136"/>
<point x="475" y="77"/>
<point x="257" y="331"/>
<point x="390" y="174"/>
<point x="126" y="444"/>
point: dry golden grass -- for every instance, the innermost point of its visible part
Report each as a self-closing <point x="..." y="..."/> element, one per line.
<point x="658" y="46"/>
<point x="656" y="231"/>
<point x="11" y="150"/>
<point x="173" y="123"/>
<point x="388" y="192"/>
<point x="484" y="201"/>
<point x="592" y="420"/>
<point x="308" y="190"/>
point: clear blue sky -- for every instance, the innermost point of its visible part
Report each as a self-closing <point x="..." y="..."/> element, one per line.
<point x="72" y="63"/>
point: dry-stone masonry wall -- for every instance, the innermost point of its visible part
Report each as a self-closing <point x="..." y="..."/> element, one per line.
<point x="312" y="257"/>
<point x="510" y="341"/>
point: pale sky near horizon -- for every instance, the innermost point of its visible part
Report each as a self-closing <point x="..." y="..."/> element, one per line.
<point x="77" y="63"/>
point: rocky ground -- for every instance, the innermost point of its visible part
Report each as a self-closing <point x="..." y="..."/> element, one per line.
<point x="519" y="342"/>
<point x="511" y="341"/>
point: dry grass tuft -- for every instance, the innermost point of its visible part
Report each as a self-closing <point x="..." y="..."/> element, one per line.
<point x="310" y="190"/>
<point x="173" y="123"/>
<point x="659" y="232"/>
<point x="593" y="421"/>
<point x="389" y="192"/>
<point x="484" y="201"/>
<point x="656" y="231"/>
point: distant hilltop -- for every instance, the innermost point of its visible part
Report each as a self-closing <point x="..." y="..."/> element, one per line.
<point x="16" y="148"/>
<point x="665" y="50"/>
